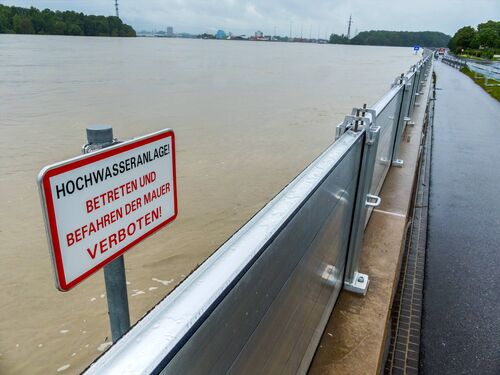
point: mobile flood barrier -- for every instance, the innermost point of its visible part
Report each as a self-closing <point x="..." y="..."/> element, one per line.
<point x="260" y="303"/>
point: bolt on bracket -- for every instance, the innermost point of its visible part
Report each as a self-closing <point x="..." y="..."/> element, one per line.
<point x="398" y="163"/>
<point x="356" y="122"/>
<point x="359" y="285"/>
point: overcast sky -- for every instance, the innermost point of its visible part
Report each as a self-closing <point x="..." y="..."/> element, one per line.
<point x="312" y="16"/>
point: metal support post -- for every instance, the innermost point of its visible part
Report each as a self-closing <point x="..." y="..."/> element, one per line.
<point x="354" y="280"/>
<point x="116" y="293"/>
<point x="401" y="124"/>
<point x="99" y="137"/>
<point x="416" y="85"/>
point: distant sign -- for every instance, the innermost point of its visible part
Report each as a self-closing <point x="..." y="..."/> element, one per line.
<point x="99" y="205"/>
<point x="416" y="48"/>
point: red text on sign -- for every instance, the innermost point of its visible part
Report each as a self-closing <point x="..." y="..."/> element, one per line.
<point x="119" y="236"/>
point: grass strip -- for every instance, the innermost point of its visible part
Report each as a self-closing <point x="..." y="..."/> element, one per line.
<point x="479" y="79"/>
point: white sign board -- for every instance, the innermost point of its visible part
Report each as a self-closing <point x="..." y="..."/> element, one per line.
<point x="99" y="205"/>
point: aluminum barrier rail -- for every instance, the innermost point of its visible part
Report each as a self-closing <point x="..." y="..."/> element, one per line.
<point x="391" y="114"/>
<point x="487" y="72"/>
<point x="454" y="62"/>
<point x="260" y="303"/>
<point x="480" y="70"/>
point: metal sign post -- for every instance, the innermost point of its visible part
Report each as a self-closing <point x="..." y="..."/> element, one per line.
<point x="98" y="205"/>
<point x="116" y="293"/>
<point x="98" y="137"/>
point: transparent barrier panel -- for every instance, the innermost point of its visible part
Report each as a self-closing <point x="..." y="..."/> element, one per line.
<point x="261" y="301"/>
<point x="403" y="118"/>
<point x="267" y="322"/>
<point x="387" y="119"/>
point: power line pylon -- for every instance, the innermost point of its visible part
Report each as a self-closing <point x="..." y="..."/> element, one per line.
<point x="349" y="27"/>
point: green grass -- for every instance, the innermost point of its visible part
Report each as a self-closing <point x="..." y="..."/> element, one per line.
<point x="472" y="57"/>
<point x="479" y="54"/>
<point x="494" y="91"/>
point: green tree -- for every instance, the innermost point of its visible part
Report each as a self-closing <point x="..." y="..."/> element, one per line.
<point x="22" y="25"/>
<point x="485" y="42"/>
<point x="401" y="38"/>
<point x="33" y="21"/>
<point x="338" y="39"/>
<point x="487" y="38"/>
<point x="463" y="38"/>
<point x="74" y="29"/>
<point x="495" y="25"/>
<point x="127" y="31"/>
<point x="58" y="28"/>
<point x="5" y="19"/>
<point x="489" y="34"/>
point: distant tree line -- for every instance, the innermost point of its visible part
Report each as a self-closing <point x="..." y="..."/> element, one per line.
<point x="483" y="42"/>
<point x="16" y="20"/>
<point x="394" y="38"/>
<point x="206" y="36"/>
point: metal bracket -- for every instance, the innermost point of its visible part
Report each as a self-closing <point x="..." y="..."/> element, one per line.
<point x="359" y="285"/>
<point x="347" y="124"/>
<point x="373" y="200"/>
<point x="364" y="122"/>
<point x="399" y="80"/>
<point x="370" y="121"/>
<point x="398" y="163"/>
<point x="415" y="104"/>
<point x="91" y="147"/>
<point x="370" y="134"/>
<point x="384" y="161"/>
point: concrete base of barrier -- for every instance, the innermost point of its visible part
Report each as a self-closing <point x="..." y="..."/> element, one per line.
<point x="355" y="337"/>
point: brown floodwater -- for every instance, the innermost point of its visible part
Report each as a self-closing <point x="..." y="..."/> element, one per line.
<point x="248" y="118"/>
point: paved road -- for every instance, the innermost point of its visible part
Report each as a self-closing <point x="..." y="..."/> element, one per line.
<point x="461" y="315"/>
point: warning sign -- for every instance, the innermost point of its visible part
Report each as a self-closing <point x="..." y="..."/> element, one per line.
<point x="99" y="205"/>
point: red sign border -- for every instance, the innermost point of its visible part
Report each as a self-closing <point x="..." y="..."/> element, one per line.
<point x="68" y="165"/>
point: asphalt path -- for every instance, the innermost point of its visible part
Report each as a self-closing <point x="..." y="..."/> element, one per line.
<point x="461" y="308"/>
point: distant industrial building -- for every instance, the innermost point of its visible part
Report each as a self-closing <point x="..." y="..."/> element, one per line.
<point x="220" y="34"/>
<point x="170" y="31"/>
<point x="259" y="34"/>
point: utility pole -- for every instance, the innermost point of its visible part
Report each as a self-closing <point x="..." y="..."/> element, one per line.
<point x="116" y="8"/>
<point x="290" y="35"/>
<point x="349" y="27"/>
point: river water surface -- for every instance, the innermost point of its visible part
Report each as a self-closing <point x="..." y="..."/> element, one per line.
<point x="248" y="118"/>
